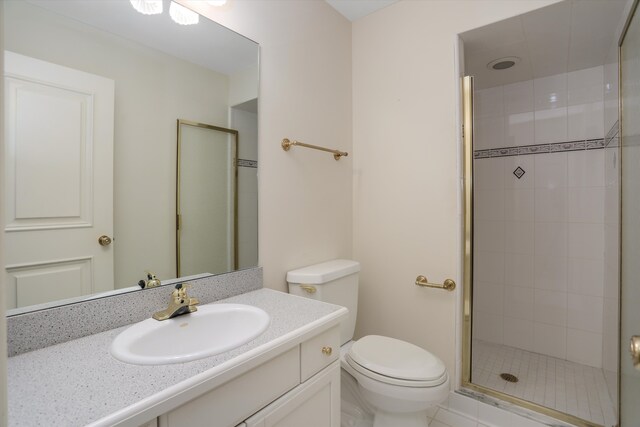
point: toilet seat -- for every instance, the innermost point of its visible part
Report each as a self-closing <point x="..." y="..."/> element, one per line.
<point x="395" y="362"/>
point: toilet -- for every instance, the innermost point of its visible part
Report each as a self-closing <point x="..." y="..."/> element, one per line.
<point x="385" y="382"/>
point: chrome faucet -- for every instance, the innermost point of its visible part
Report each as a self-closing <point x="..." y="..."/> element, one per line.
<point x="179" y="303"/>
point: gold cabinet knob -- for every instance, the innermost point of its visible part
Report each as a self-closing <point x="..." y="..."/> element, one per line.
<point x="327" y="351"/>
<point x="104" y="240"/>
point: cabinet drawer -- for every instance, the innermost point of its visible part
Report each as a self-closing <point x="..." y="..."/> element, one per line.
<point x="232" y="402"/>
<point x="314" y="403"/>
<point x="319" y="352"/>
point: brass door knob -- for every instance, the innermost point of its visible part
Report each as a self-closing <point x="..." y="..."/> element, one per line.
<point x="327" y="351"/>
<point x="635" y="350"/>
<point x="104" y="240"/>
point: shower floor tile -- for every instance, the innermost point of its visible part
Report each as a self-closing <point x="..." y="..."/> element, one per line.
<point x="569" y="387"/>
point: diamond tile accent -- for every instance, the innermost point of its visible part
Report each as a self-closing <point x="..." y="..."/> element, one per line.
<point x="519" y="172"/>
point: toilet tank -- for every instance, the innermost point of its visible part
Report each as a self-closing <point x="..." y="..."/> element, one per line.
<point x="335" y="282"/>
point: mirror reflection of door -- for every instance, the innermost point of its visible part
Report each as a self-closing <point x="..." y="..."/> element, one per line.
<point x="206" y="199"/>
<point x="59" y="181"/>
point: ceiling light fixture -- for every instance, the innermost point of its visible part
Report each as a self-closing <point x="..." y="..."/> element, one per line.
<point x="147" y="7"/>
<point x="503" y="63"/>
<point x="181" y="15"/>
<point x="217" y="2"/>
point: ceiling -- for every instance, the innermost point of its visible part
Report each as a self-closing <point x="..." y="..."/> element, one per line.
<point x="566" y="36"/>
<point x="356" y="9"/>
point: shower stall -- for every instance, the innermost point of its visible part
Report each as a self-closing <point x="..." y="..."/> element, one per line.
<point x="543" y="210"/>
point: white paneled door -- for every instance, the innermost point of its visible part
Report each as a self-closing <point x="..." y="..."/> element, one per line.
<point x="58" y="181"/>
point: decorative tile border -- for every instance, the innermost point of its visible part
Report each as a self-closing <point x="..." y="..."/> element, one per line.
<point x="244" y="163"/>
<point x="612" y="136"/>
<point x="589" y="144"/>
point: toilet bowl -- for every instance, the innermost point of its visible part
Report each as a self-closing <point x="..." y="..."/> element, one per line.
<point x="385" y="382"/>
<point x="397" y="381"/>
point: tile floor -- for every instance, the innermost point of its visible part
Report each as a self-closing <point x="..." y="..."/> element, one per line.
<point x="566" y="386"/>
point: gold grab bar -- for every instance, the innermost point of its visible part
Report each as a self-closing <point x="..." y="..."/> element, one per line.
<point x="286" y="145"/>
<point x="448" y="285"/>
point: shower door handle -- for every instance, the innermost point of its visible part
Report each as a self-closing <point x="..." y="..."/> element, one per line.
<point x="635" y="350"/>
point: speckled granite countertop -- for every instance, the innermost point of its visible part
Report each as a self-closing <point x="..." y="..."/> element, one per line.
<point x="79" y="383"/>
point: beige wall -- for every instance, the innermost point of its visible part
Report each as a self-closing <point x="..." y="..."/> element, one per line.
<point x="243" y="85"/>
<point x="305" y="93"/>
<point x="405" y="153"/>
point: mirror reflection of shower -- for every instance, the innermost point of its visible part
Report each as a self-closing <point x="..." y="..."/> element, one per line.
<point x="545" y="228"/>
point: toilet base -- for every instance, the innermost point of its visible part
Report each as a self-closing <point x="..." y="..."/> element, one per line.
<point x="413" y="419"/>
<point x="354" y="412"/>
<point x="357" y="412"/>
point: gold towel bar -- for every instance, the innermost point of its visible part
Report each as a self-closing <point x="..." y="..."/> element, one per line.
<point x="286" y="145"/>
<point x="448" y="284"/>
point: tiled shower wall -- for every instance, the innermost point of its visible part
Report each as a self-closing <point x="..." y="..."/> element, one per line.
<point x="539" y="239"/>
<point x="559" y="108"/>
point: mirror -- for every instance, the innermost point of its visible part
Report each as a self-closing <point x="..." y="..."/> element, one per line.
<point x="93" y="92"/>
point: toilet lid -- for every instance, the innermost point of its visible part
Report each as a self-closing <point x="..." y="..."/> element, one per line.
<point x="396" y="359"/>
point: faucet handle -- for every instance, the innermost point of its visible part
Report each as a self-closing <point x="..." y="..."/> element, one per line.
<point x="182" y="287"/>
<point x="181" y="297"/>
<point x="181" y="291"/>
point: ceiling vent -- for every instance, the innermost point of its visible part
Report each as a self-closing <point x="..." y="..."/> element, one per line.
<point x="503" y="63"/>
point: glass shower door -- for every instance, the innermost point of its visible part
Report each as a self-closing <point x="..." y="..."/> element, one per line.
<point x="630" y="222"/>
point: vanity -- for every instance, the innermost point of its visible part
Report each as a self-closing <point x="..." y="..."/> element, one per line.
<point x="288" y="376"/>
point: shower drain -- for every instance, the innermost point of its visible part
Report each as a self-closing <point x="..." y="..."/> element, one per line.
<point x="509" y="377"/>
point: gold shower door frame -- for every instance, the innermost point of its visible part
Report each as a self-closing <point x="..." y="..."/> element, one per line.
<point x="467" y="244"/>
<point x="233" y="133"/>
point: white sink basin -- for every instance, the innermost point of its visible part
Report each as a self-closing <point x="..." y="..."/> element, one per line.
<point x="213" y="329"/>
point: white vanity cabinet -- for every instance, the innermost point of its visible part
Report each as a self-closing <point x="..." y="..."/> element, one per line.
<point x="298" y="387"/>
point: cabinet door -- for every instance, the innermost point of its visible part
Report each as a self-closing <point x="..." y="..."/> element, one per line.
<point x="231" y="402"/>
<point x="315" y="403"/>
